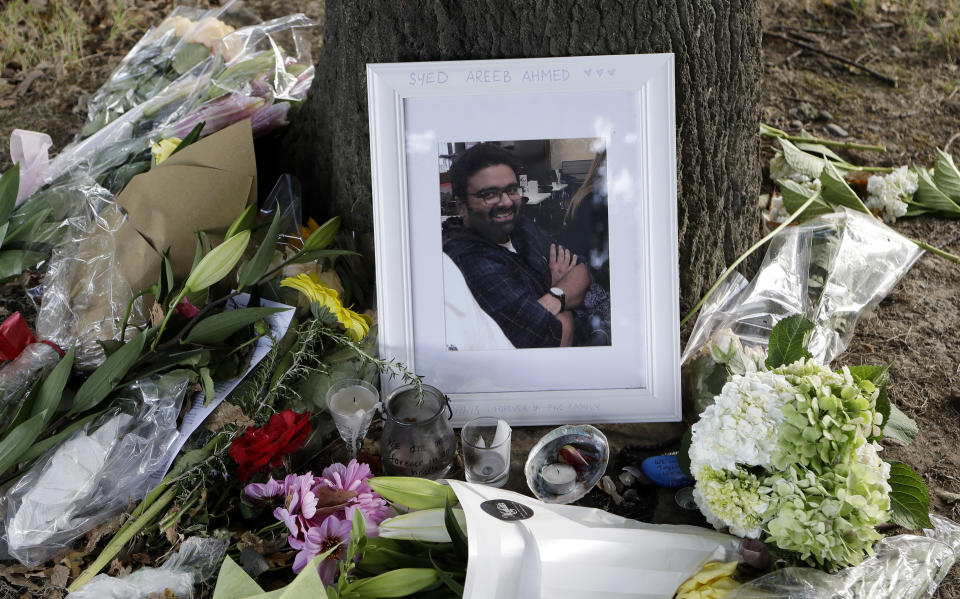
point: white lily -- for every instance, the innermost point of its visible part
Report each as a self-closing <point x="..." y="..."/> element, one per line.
<point x="423" y="525"/>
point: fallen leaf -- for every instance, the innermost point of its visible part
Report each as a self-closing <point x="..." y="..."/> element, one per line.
<point x="226" y="413"/>
<point x="28" y="81"/>
<point x="280" y="559"/>
<point x="60" y="575"/>
<point x="156" y="314"/>
<point x="172" y="535"/>
<point x="107" y="528"/>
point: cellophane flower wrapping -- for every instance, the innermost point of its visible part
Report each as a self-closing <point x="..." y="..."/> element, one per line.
<point x="832" y="270"/>
<point x="219" y="66"/>
<point x="96" y="472"/>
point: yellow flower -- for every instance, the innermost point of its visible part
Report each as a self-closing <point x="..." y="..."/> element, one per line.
<point x="356" y="325"/>
<point x="162" y="149"/>
<point x="713" y="581"/>
<point x="310" y="285"/>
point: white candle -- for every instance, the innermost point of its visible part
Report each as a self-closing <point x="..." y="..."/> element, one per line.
<point x="350" y="406"/>
<point x="558" y="479"/>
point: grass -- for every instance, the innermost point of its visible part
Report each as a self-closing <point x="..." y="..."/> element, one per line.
<point x="929" y="24"/>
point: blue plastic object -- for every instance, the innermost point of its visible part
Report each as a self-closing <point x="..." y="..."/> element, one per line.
<point x="664" y="471"/>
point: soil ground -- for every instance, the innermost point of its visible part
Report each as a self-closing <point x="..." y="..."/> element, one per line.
<point x="916" y="329"/>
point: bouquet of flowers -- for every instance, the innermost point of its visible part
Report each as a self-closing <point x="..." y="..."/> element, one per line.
<point x="789" y="453"/>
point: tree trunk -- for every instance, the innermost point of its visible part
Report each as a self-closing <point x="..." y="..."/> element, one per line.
<point x="717" y="47"/>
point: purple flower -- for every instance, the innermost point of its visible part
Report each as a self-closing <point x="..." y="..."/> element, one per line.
<point x="331" y="533"/>
<point x="374" y="508"/>
<point x="352" y="477"/>
<point x="263" y="491"/>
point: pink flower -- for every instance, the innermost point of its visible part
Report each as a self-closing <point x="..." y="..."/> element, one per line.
<point x="352" y="477"/>
<point x="319" y="539"/>
<point x="263" y="491"/>
<point x="185" y="308"/>
<point x="374" y="508"/>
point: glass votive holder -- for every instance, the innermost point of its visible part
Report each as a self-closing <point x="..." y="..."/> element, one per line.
<point x="486" y="451"/>
<point x="352" y="404"/>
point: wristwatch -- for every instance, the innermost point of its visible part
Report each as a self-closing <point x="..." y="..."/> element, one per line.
<point x="560" y="295"/>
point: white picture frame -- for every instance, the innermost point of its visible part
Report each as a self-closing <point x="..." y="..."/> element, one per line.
<point x="628" y="101"/>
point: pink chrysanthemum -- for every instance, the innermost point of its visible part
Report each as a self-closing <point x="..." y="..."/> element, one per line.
<point x="319" y="539"/>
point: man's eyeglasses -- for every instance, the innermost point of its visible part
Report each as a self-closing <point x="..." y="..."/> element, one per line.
<point x="491" y="195"/>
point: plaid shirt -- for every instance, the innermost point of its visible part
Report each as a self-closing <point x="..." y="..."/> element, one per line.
<point x="507" y="285"/>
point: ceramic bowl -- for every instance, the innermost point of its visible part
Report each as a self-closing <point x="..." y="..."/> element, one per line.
<point x="590" y="441"/>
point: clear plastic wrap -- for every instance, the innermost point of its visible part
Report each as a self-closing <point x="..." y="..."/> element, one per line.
<point x="197" y="560"/>
<point x="96" y="472"/>
<point x="86" y="287"/>
<point x="18" y="376"/>
<point x="904" y="567"/>
<point x="831" y="269"/>
<point x="252" y="72"/>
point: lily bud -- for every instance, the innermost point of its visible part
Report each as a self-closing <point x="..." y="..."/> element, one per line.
<point x="395" y="583"/>
<point x="423" y="525"/>
<point x="414" y="493"/>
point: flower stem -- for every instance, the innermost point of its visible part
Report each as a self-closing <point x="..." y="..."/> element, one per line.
<point x="769" y="131"/>
<point x="743" y="257"/>
<point x="121" y="539"/>
<point x="933" y="250"/>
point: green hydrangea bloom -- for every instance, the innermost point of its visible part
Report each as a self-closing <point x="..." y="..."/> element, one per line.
<point x="735" y="499"/>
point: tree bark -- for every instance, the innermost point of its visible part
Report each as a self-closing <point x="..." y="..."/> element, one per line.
<point x="717" y="48"/>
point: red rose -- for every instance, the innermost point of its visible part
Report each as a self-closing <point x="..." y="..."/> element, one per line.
<point x="262" y="448"/>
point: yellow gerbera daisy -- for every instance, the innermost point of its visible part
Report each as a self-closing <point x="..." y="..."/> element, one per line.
<point x="310" y="285"/>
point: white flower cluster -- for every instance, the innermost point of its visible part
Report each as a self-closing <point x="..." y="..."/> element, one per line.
<point x="743" y="424"/>
<point x="732" y="499"/>
<point x="885" y="193"/>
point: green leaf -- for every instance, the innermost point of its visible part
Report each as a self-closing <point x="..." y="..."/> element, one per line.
<point x="209" y="391"/>
<point x="40" y="447"/>
<point x="218" y="263"/>
<point x="9" y="186"/>
<point x="946" y="176"/>
<point x="191" y="137"/>
<point x="445" y="578"/>
<point x="244" y="222"/>
<point x="878" y="375"/>
<point x="188" y="56"/>
<point x="457" y="535"/>
<point x="909" y="498"/>
<point x="24" y="232"/>
<point x="929" y="196"/>
<point x="106" y="378"/>
<point x="13" y="262"/>
<point x="314" y="255"/>
<point x="323" y="236"/>
<point x="836" y="191"/>
<point x="18" y="440"/>
<point x="51" y="390"/>
<point x="395" y="583"/>
<point x="217" y="328"/>
<point x="795" y="195"/>
<point x="788" y="341"/>
<point x="815" y="148"/>
<point x="255" y="268"/>
<point x="3" y="232"/>
<point x="900" y="426"/>
<point x="189" y="358"/>
<point x="233" y="582"/>
<point x="801" y="161"/>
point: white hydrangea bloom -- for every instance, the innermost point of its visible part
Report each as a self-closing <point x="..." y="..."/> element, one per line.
<point x="734" y="500"/>
<point x="887" y="192"/>
<point x="868" y="454"/>
<point x="742" y="425"/>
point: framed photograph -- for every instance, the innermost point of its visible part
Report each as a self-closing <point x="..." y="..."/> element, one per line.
<point x="526" y="234"/>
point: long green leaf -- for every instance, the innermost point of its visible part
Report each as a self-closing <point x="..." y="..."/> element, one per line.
<point x="257" y="267"/>
<point x="106" y="378"/>
<point x="794" y="195"/>
<point x="191" y="137"/>
<point x="323" y="236"/>
<point x="51" y="390"/>
<point x="946" y="176"/>
<point x="445" y="577"/>
<point x="13" y="262"/>
<point x="187" y="358"/>
<point x="217" y="328"/>
<point x="9" y="186"/>
<point x="801" y="161"/>
<point x="218" y="263"/>
<point x="836" y="191"/>
<point x="909" y="498"/>
<point x="24" y="232"/>
<point x="40" y="447"/>
<point x="19" y="439"/>
<point x="815" y="148"/>
<point x="788" y="341"/>
<point x="457" y="535"/>
<point x="244" y="222"/>
<point x="929" y="196"/>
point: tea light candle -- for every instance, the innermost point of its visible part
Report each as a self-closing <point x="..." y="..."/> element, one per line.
<point x="350" y="406"/>
<point x="558" y="479"/>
